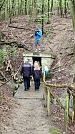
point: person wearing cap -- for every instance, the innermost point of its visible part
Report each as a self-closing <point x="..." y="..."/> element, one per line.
<point x="38" y="36"/>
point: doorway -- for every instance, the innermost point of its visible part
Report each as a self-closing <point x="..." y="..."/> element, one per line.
<point x="37" y="59"/>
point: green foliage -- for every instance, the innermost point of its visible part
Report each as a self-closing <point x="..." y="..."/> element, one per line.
<point x="3" y="54"/>
<point x="37" y="20"/>
<point x="7" y="50"/>
<point x="48" y="34"/>
<point x="54" y="130"/>
<point x="11" y="51"/>
<point x="17" y="7"/>
<point x="49" y="76"/>
<point x="40" y="18"/>
<point x="15" y="87"/>
<point x="0" y="96"/>
<point x="1" y="4"/>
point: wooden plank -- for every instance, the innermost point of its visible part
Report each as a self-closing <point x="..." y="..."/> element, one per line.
<point x="66" y="114"/>
<point x="45" y="97"/>
<point x="48" y="102"/>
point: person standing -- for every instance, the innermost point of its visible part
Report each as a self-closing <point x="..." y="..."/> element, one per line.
<point x="36" y="75"/>
<point x="38" y="36"/>
<point x="26" y="72"/>
<point x="46" y="70"/>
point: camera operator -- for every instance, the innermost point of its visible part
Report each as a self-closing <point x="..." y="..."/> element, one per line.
<point x="38" y="36"/>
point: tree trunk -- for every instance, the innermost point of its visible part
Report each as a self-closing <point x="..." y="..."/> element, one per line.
<point x="48" y="12"/>
<point x="26" y="7"/>
<point x="10" y="10"/>
<point x="60" y="7"/>
<point x="42" y="15"/>
<point x="72" y="6"/>
<point x="51" y="5"/>
<point x="65" y="9"/>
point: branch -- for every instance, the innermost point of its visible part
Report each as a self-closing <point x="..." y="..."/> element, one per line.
<point x="20" y="45"/>
<point x="70" y="92"/>
<point x="25" y="28"/>
<point x="3" y="75"/>
<point x="17" y="27"/>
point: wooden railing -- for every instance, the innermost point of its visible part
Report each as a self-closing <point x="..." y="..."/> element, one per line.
<point x="48" y="92"/>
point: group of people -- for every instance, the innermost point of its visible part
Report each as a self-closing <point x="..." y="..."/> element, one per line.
<point x="28" y="71"/>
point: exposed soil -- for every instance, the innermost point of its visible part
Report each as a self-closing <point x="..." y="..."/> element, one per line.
<point x="57" y="39"/>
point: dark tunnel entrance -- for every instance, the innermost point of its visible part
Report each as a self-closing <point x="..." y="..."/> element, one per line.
<point x="37" y="59"/>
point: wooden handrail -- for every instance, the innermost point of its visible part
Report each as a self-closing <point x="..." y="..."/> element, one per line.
<point x="48" y="91"/>
<point x="70" y="86"/>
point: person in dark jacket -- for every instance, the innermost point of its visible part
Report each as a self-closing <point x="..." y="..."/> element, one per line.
<point x="31" y="71"/>
<point x="26" y="72"/>
<point x="36" y="75"/>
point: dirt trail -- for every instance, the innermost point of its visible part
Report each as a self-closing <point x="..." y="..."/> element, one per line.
<point x="28" y="115"/>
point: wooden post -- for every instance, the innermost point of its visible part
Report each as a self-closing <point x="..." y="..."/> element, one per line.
<point x="66" y="114"/>
<point x="72" y="116"/>
<point x="48" y="101"/>
<point x="45" y="91"/>
<point x="72" y="7"/>
<point x="44" y="76"/>
<point x="45" y="96"/>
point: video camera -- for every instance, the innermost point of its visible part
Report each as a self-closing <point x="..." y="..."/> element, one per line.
<point x="36" y="31"/>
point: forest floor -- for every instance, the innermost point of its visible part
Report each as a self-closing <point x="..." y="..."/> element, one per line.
<point x="58" y="39"/>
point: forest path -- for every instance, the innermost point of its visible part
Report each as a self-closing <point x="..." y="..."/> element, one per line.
<point x="29" y="115"/>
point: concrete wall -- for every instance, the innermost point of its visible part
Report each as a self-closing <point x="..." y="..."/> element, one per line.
<point x="46" y="62"/>
<point x="46" y="58"/>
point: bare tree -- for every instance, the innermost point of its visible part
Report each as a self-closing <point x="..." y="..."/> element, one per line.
<point x="72" y="6"/>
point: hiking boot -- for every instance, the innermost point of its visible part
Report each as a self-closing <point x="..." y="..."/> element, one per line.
<point x="25" y="89"/>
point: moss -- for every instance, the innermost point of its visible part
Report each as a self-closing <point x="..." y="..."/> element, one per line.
<point x="53" y="56"/>
<point x="49" y="76"/>
<point x="16" y="86"/>
<point x="54" y="130"/>
<point x="0" y="96"/>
